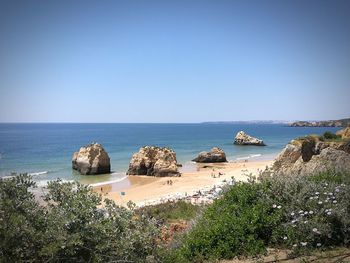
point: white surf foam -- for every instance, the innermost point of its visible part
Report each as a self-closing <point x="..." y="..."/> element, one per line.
<point x="243" y="158"/>
<point x="248" y="157"/>
<point x="109" y="182"/>
<point x="255" y="155"/>
<point x="38" y="173"/>
<point x="43" y="183"/>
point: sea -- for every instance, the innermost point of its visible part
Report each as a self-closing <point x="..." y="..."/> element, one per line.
<point x="45" y="150"/>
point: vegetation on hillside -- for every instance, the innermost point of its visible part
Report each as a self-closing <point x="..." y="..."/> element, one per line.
<point x="301" y="213"/>
<point x="70" y="226"/>
<point x="73" y="224"/>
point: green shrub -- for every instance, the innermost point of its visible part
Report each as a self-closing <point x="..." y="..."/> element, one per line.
<point x="330" y="136"/>
<point x="293" y="212"/>
<point x="70" y="227"/>
<point x="240" y="223"/>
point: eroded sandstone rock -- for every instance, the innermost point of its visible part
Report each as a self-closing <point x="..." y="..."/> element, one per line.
<point x="309" y="155"/>
<point x="244" y="139"/>
<point x="91" y="159"/>
<point x="154" y="161"/>
<point x="215" y="155"/>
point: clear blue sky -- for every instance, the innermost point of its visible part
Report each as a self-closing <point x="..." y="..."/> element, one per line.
<point x="174" y="61"/>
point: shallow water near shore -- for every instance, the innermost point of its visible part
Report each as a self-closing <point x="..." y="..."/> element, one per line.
<point x="45" y="150"/>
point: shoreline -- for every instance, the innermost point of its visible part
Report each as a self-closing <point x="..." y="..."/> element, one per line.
<point x="145" y="190"/>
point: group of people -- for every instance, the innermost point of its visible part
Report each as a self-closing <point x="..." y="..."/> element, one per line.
<point x="169" y="182"/>
<point x="214" y="176"/>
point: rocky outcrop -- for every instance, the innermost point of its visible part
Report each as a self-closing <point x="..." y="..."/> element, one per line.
<point x="91" y="159"/>
<point x="244" y="139"/>
<point x="154" y="161"/>
<point x="344" y="133"/>
<point x="216" y="155"/>
<point x="310" y="155"/>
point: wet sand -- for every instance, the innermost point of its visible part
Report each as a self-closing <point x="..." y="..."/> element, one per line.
<point x="142" y="188"/>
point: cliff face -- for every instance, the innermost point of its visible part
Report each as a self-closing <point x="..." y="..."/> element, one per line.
<point x="344" y="133"/>
<point x="310" y="155"/>
<point x="330" y="123"/>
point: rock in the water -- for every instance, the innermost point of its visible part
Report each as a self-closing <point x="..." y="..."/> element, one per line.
<point x="309" y="155"/>
<point x="154" y="161"/>
<point x="91" y="159"/>
<point x="244" y="139"/>
<point x="216" y="155"/>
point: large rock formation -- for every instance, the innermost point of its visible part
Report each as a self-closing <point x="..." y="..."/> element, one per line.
<point x="91" y="159"/>
<point x="344" y="133"/>
<point x="310" y="155"/>
<point x="216" y="155"/>
<point x="154" y="161"/>
<point x="244" y="139"/>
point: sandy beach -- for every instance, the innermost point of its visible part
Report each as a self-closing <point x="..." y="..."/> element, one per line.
<point x="143" y="188"/>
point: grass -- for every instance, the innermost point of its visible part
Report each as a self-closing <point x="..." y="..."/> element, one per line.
<point x="171" y="211"/>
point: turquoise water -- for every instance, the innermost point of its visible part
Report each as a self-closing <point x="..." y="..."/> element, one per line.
<point x="46" y="149"/>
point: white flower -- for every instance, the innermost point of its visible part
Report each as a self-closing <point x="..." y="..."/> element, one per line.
<point x="311" y="212"/>
<point x="295" y="245"/>
<point x="335" y="201"/>
<point x="337" y="190"/>
<point x="303" y="244"/>
<point x="279" y="207"/>
<point x="305" y="222"/>
<point x="284" y="238"/>
<point x="301" y="211"/>
<point x="314" y="230"/>
<point x="320" y="202"/>
<point x="311" y="198"/>
<point x="317" y="193"/>
<point x="318" y="244"/>
<point x="306" y="212"/>
<point x="292" y="214"/>
<point x="329" y="213"/>
<point x="330" y="193"/>
<point x="274" y="206"/>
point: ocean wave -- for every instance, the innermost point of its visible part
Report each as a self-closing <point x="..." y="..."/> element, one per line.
<point x="43" y="183"/>
<point x="38" y="173"/>
<point x="190" y="162"/>
<point x="109" y="182"/>
<point x="248" y="157"/>
<point x="243" y="158"/>
<point x="255" y="155"/>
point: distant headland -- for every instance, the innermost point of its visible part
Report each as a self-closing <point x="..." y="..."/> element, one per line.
<point x="329" y="123"/>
